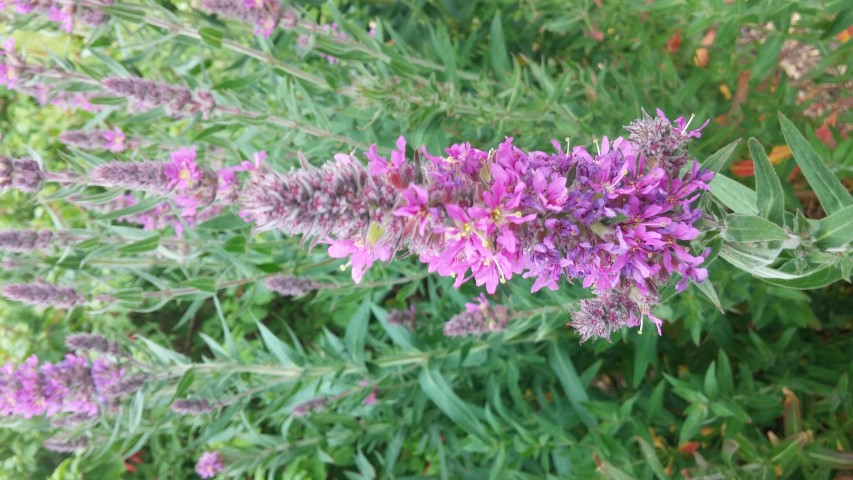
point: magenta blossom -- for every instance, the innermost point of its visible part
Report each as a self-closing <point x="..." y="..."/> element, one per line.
<point x="183" y="170"/>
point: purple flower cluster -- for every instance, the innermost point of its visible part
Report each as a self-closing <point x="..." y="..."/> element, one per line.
<point x="197" y="406"/>
<point x="290" y="286"/>
<point x="477" y="319"/>
<point x="17" y="76"/>
<point x="26" y="240"/>
<point x="190" y="186"/>
<point x="209" y="464"/>
<point x="314" y="405"/>
<point x="22" y="174"/>
<point x="617" y="218"/>
<point x="43" y="294"/>
<point x="62" y="12"/>
<point x="178" y="101"/>
<point x="112" y="140"/>
<point x="403" y="318"/>
<point x="265" y="15"/>
<point x="75" y="386"/>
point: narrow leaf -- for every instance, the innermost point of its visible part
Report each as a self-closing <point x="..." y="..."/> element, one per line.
<point x="571" y="382"/>
<point x="749" y="228"/>
<point x="497" y="47"/>
<point x="437" y="389"/>
<point x="652" y="459"/>
<point x="768" y="188"/>
<point x="356" y="332"/>
<point x="718" y="160"/>
<point x="829" y="190"/>
<point x="736" y="196"/>
<point x="836" y="230"/>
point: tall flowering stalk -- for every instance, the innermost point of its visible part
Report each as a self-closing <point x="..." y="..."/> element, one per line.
<point x="178" y="101"/>
<point x="112" y="140"/>
<point x="63" y="12"/>
<point x="265" y="15"/>
<point x="190" y="185"/>
<point x="478" y="318"/>
<point x="616" y="218"/>
<point x="43" y="294"/>
<point x="18" y="76"/>
<point x="24" y="174"/>
<point x="22" y="241"/>
<point x="74" y="390"/>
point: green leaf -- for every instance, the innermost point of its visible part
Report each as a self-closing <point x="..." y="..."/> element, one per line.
<point x="209" y="131"/>
<point x="725" y="380"/>
<point x="652" y="459"/>
<point x="241" y="82"/>
<point x="841" y="22"/>
<point x="211" y="36"/>
<point x="571" y="382"/>
<point x="766" y="59"/>
<point x="280" y="350"/>
<point x="707" y="288"/>
<point x="750" y="258"/>
<point x="734" y="195"/>
<point x="439" y="392"/>
<point x="108" y="101"/>
<point x="819" y="278"/>
<point x="832" y="459"/>
<point x="829" y="190"/>
<point x="710" y="385"/>
<point x="718" y="160"/>
<point x="142" y="246"/>
<point x="748" y="228"/>
<point x="356" y="332"/>
<point x="125" y="12"/>
<point x="768" y="188"/>
<point x="836" y="230"/>
<point x="497" y="47"/>
<point x="646" y="350"/>
<point x="206" y="285"/>
<point x="185" y="383"/>
<point x="224" y="222"/>
<point x="140" y="207"/>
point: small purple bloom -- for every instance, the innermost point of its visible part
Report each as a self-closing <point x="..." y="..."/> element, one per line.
<point x="209" y="464"/>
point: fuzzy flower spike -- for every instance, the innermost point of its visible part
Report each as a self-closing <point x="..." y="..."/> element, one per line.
<point x="618" y="218"/>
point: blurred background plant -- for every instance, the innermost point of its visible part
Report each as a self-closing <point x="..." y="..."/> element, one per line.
<point x="760" y="391"/>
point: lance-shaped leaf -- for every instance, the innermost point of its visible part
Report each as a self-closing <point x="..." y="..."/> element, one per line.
<point x="829" y="190"/>
<point x="734" y="195"/>
<point x="749" y="228"/>
<point x="768" y="188"/>
<point x="718" y="160"/>
<point x="438" y="390"/>
<point x="836" y="230"/>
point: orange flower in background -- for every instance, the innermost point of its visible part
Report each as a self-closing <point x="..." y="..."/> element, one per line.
<point x="700" y="58"/>
<point x="674" y="42"/>
<point x="845" y="35"/>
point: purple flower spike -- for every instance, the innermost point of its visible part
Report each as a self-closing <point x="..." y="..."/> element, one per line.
<point x="618" y="218"/>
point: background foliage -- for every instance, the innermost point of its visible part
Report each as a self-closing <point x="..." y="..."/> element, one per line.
<point x="760" y="391"/>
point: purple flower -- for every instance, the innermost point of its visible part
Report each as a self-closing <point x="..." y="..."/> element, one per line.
<point x="209" y="464"/>
<point x="183" y="171"/>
